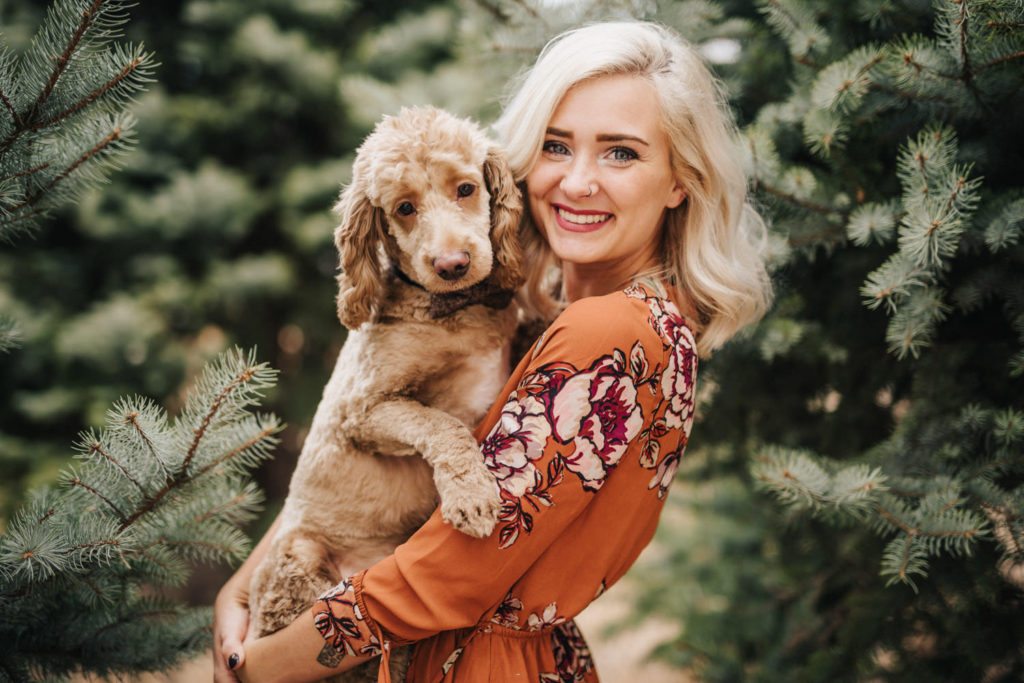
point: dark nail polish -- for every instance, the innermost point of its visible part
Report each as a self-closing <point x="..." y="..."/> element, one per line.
<point x="233" y="661"/>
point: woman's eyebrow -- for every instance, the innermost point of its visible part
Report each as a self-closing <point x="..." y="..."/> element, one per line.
<point x="604" y="137"/>
<point x="622" y="137"/>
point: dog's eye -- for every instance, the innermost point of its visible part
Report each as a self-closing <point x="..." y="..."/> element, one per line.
<point x="406" y="209"/>
<point x="466" y="189"/>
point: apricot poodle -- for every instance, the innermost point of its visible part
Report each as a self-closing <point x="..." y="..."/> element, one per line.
<point x="429" y="261"/>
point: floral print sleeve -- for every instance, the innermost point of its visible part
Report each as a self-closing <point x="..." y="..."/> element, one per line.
<point x="584" y="445"/>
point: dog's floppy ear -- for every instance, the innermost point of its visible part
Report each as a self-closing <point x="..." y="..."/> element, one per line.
<point x="506" y="211"/>
<point x="358" y="238"/>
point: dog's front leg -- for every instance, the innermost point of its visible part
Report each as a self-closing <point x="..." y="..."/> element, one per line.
<point x="470" y="499"/>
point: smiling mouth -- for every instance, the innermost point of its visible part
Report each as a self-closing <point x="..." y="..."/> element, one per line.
<point x="581" y="218"/>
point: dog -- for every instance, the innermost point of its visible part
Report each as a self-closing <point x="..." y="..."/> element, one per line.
<point x="429" y="261"/>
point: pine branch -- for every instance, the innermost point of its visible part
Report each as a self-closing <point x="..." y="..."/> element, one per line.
<point x="65" y="58"/>
<point x="37" y="195"/>
<point x="1000" y="60"/>
<point x="15" y="116"/>
<point x="75" y="481"/>
<point x="94" y="95"/>
<point x="263" y="437"/>
<point x="243" y="378"/>
<point x="91" y="549"/>
<point x="56" y="104"/>
<point x="97" y="447"/>
<point x="967" y="70"/>
<point x="132" y="418"/>
<point x="793" y="199"/>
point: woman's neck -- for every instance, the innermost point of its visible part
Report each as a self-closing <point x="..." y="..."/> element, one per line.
<point x="581" y="280"/>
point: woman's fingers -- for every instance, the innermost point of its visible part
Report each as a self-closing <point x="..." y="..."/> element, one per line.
<point x="230" y="622"/>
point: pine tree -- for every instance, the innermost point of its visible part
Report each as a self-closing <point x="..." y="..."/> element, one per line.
<point x="84" y="568"/>
<point x="63" y="119"/>
<point x="950" y="472"/>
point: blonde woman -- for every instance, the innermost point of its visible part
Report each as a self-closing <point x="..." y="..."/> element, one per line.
<point x="644" y="247"/>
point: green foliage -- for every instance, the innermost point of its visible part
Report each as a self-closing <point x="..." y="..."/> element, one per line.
<point x="85" y="568"/>
<point x="9" y="335"/>
<point x="63" y="120"/>
<point x="966" y="70"/>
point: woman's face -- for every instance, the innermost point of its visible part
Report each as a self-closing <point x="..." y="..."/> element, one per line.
<point x="603" y="180"/>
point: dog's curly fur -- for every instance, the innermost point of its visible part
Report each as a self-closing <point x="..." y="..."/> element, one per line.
<point x="406" y="383"/>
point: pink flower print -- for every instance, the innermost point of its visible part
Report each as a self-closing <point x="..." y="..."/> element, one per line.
<point x="597" y="410"/>
<point x="507" y="614"/>
<point x="677" y="380"/>
<point x="517" y="439"/>
<point x="548" y="618"/>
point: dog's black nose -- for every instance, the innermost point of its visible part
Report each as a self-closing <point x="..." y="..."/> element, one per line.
<point x="452" y="265"/>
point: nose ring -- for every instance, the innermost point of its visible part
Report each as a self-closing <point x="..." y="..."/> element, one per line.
<point x="590" y="190"/>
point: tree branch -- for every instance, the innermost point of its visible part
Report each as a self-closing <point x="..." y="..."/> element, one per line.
<point x="10" y="108"/>
<point x="97" y="447"/>
<point x="916" y="531"/>
<point x="243" y="378"/>
<point x="78" y="482"/>
<point x="131" y="418"/>
<point x="93" y="96"/>
<point x="267" y="431"/>
<point x="39" y="194"/>
<point x="995" y="62"/>
<point x="65" y="58"/>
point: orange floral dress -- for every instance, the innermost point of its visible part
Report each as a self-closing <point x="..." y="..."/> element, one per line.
<point x="584" y="444"/>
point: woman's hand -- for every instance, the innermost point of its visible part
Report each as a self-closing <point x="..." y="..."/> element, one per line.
<point x="231" y="612"/>
<point x="230" y="623"/>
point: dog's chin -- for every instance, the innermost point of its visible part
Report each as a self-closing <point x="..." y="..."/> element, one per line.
<point x="435" y="284"/>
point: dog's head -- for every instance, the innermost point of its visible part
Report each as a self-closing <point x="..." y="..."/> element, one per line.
<point x="432" y="195"/>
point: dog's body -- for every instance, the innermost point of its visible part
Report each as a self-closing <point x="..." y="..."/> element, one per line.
<point x="412" y="377"/>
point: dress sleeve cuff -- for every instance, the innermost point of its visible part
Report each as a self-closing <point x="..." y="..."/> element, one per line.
<point x="340" y="617"/>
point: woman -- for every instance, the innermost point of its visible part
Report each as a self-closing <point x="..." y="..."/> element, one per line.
<point x="637" y="209"/>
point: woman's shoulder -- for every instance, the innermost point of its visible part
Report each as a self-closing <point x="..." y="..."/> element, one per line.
<point x="619" y="319"/>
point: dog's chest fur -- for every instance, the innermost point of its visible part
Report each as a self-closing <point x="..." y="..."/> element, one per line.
<point x="457" y="364"/>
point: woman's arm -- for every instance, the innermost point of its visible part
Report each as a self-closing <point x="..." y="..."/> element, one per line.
<point x="231" y="611"/>
<point x="296" y="654"/>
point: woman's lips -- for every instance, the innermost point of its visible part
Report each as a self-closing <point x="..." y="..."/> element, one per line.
<point x="580" y="221"/>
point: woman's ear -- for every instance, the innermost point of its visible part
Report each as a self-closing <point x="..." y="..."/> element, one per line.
<point x="676" y="196"/>
<point x="506" y="212"/>
<point x="358" y="238"/>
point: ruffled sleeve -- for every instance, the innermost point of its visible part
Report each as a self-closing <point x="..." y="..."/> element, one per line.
<point x="608" y="388"/>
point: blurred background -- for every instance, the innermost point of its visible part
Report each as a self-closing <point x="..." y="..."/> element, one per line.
<point x="217" y="231"/>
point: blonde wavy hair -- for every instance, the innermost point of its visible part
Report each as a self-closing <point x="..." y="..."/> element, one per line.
<point x="713" y="244"/>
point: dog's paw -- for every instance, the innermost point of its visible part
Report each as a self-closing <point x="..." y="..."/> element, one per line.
<point x="470" y="498"/>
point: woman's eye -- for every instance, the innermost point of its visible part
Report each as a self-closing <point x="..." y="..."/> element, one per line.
<point x="624" y="154"/>
<point x="555" y="147"/>
<point x="466" y="189"/>
<point x="406" y="209"/>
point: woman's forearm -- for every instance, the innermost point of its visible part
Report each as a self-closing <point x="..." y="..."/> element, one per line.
<point x="295" y="654"/>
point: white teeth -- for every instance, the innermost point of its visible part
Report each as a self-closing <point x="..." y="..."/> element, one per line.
<point x="583" y="219"/>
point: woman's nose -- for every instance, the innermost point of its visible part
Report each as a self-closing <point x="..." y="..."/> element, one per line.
<point x="579" y="180"/>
